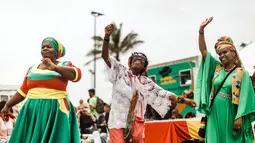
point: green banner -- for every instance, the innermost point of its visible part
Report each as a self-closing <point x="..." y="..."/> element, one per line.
<point x="175" y="78"/>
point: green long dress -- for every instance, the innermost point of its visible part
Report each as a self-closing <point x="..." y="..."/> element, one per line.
<point x="47" y="116"/>
<point x="223" y="113"/>
<point x="41" y="121"/>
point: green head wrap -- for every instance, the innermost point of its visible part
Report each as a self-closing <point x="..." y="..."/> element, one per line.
<point x="58" y="47"/>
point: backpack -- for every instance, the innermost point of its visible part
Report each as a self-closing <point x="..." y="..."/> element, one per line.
<point x="100" y="105"/>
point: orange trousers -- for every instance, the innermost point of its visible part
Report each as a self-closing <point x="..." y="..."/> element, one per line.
<point x="117" y="136"/>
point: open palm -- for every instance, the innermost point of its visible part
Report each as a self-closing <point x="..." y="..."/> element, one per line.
<point x="205" y="23"/>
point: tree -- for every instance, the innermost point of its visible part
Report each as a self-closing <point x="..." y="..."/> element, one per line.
<point x="116" y="46"/>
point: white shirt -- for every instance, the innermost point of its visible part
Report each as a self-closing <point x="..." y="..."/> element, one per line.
<point x="148" y="93"/>
<point x="6" y="127"/>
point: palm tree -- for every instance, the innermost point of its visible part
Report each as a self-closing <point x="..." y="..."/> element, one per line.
<point x="116" y="46"/>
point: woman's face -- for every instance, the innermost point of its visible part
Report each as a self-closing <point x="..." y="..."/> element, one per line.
<point x="47" y="50"/>
<point x="138" y="63"/>
<point x="226" y="56"/>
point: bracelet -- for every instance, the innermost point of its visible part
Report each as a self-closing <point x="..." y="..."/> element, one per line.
<point x="179" y="99"/>
<point x="201" y="32"/>
<point x="106" y="39"/>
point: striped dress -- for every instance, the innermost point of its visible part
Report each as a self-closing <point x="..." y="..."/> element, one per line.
<point x="47" y="115"/>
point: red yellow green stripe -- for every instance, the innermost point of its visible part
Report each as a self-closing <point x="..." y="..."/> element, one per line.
<point x="171" y="131"/>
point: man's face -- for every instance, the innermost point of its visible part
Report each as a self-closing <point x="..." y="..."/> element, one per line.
<point x="91" y="94"/>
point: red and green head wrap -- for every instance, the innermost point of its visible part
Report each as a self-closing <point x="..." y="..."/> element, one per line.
<point x="227" y="42"/>
<point x="58" y="47"/>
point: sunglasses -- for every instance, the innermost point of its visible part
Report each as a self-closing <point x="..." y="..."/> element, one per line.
<point x="140" y="56"/>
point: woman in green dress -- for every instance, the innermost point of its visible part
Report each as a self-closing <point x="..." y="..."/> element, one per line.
<point x="230" y="116"/>
<point x="47" y="115"/>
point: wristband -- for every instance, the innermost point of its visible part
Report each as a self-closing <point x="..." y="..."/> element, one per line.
<point x="179" y="99"/>
<point x="106" y="39"/>
<point x="201" y="32"/>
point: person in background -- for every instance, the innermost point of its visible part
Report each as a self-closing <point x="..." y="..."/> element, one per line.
<point x="93" y="102"/>
<point x="229" y="117"/>
<point x="78" y="108"/>
<point x="7" y="123"/>
<point x="81" y="103"/>
<point x="102" y="127"/>
<point x="190" y="115"/>
<point x="87" y="120"/>
<point x="107" y="109"/>
<point x="102" y="123"/>
<point x="47" y="114"/>
<point x="175" y="114"/>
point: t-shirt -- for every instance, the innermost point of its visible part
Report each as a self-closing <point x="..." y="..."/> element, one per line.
<point x="93" y="103"/>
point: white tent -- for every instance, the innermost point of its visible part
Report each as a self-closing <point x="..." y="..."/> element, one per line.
<point x="247" y="56"/>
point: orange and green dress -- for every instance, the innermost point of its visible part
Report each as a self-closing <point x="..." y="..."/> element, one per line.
<point x="47" y="115"/>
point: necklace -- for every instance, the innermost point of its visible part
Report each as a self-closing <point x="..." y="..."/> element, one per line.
<point x="228" y="70"/>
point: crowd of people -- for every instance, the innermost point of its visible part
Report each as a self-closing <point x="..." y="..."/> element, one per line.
<point x="224" y="93"/>
<point x="92" y="116"/>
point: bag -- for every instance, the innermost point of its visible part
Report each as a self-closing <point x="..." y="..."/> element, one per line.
<point x="100" y="106"/>
<point x="203" y="122"/>
<point x="134" y="127"/>
<point x="138" y="127"/>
